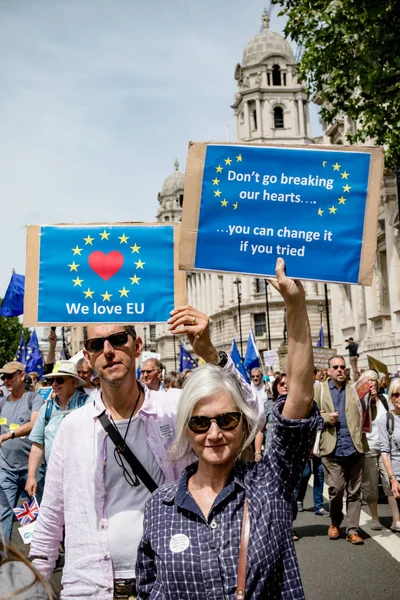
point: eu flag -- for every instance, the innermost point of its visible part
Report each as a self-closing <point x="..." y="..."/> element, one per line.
<point x="13" y="302"/>
<point x="321" y="341"/>
<point x="185" y="360"/>
<point x="34" y="359"/>
<point x="112" y="273"/>
<point x="235" y="356"/>
<point x="252" y="358"/>
<point x="20" y="353"/>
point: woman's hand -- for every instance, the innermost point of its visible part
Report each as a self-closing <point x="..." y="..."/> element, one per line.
<point x="196" y="325"/>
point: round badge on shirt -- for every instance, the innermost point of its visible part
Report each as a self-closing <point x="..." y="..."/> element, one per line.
<point x="179" y="542"/>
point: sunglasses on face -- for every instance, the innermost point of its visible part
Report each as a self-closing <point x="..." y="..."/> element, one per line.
<point x="115" y="339"/>
<point x="147" y="371"/>
<point x="335" y="367"/>
<point x="7" y="376"/>
<point x="395" y="394"/>
<point x="59" y="380"/>
<point x="226" y="422"/>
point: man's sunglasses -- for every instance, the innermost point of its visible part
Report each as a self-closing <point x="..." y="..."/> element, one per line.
<point x="226" y="422"/>
<point x="115" y="339"/>
<point x="336" y="367"/>
<point x="147" y="371"/>
<point x="60" y="380"/>
<point x="9" y="375"/>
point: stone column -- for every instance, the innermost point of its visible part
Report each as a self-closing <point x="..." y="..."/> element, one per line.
<point x="259" y="119"/>
<point x="300" y="112"/>
<point x="246" y="120"/>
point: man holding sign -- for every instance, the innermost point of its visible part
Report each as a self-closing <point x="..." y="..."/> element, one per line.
<point x="91" y="488"/>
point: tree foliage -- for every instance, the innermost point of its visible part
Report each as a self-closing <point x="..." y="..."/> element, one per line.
<point x="10" y="335"/>
<point x="350" y="58"/>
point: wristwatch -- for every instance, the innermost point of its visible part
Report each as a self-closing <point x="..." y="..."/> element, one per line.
<point x="223" y="359"/>
<point x="392" y="477"/>
<point x="13" y="435"/>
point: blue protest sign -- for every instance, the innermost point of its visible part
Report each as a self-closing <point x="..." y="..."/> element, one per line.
<point x="116" y="273"/>
<point x="45" y="392"/>
<point x="315" y="207"/>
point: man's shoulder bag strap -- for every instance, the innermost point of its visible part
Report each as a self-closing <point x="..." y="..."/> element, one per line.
<point x="49" y="409"/>
<point x="135" y="464"/>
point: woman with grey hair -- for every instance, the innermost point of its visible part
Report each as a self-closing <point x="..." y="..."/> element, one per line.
<point x="389" y="441"/>
<point x="373" y="459"/>
<point x="196" y="531"/>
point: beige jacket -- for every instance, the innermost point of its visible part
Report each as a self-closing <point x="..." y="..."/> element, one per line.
<point x="323" y="398"/>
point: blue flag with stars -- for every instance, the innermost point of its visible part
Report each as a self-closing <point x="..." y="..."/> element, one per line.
<point x="235" y="356"/>
<point x="252" y="357"/>
<point x="13" y="302"/>
<point x="185" y="360"/>
<point x="321" y="340"/>
<point x="107" y="274"/>
<point x="34" y="359"/>
<point x="20" y="353"/>
<point x="304" y="205"/>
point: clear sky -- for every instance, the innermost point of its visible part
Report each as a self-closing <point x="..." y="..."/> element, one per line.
<point x="100" y="96"/>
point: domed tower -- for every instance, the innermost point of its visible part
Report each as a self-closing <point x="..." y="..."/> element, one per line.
<point x="270" y="105"/>
<point x="171" y="197"/>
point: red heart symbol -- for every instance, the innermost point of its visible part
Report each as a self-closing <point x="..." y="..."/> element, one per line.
<point x="106" y="265"/>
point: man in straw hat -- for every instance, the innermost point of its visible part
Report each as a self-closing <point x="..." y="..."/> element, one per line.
<point x="65" y="382"/>
<point x="18" y="413"/>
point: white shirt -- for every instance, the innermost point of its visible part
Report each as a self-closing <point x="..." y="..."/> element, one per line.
<point x="373" y="437"/>
<point x="125" y="519"/>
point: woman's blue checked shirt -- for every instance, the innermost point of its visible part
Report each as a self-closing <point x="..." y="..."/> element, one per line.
<point x="183" y="556"/>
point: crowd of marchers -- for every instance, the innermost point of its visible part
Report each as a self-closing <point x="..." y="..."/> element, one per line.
<point x="187" y="485"/>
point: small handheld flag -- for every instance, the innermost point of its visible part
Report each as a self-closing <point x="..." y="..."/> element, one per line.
<point x="235" y="356"/>
<point x="252" y="358"/>
<point x="185" y="360"/>
<point x="321" y="341"/>
<point x="34" y="359"/>
<point x="20" y="353"/>
<point x="27" y="512"/>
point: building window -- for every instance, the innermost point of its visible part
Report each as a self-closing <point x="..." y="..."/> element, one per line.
<point x="166" y="218"/>
<point x="259" y="325"/>
<point x="278" y="117"/>
<point x="152" y="332"/>
<point x="284" y="78"/>
<point x="254" y="120"/>
<point x="259" y="285"/>
<point x="276" y="75"/>
<point x="269" y="78"/>
<point x="181" y="200"/>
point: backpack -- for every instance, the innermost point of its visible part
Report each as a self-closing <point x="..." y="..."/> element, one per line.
<point x="50" y="405"/>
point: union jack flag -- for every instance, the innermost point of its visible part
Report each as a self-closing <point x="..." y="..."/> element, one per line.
<point x="27" y="512"/>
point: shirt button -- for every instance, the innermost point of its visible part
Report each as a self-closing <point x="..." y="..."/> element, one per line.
<point x="105" y="493"/>
<point x="106" y="555"/>
<point x="213" y="524"/>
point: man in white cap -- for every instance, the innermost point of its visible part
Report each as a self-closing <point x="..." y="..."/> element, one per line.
<point x="18" y="413"/>
<point x="65" y="381"/>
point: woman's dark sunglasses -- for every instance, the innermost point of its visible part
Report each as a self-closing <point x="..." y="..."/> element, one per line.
<point x="226" y="422"/>
<point x="115" y="339"/>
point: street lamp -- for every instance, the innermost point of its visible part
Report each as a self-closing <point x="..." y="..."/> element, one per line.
<point x="238" y="283"/>
<point x="145" y="338"/>
<point x="320" y="310"/>
<point x="267" y="308"/>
